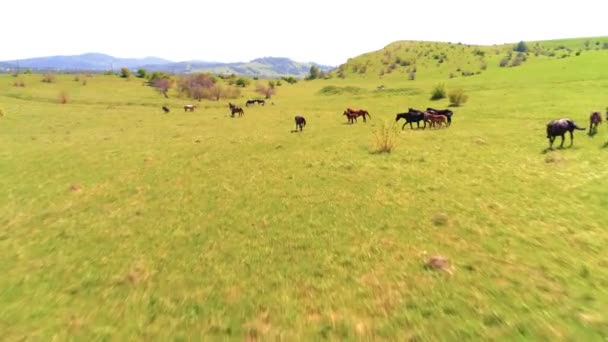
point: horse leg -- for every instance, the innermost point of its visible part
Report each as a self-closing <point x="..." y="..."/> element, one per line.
<point x="571" y="138"/>
<point x="562" y="144"/>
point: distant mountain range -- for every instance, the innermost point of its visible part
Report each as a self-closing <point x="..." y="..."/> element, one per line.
<point x="97" y="62"/>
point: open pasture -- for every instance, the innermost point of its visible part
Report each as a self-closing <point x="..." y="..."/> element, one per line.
<point x="121" y="222"/>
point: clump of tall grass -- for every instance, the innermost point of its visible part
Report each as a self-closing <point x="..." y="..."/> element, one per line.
<point x="457" y="97"/>
<point x="385" y="138"/>
<point x="48" y="78"/>
<point x="63" y="97"/>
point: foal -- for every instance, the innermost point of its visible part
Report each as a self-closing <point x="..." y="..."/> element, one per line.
<point x="595" y="119"/>
<point x="300" y="122"/>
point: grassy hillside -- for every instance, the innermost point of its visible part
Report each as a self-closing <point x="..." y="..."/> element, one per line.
<point x="432" y="60"/>
<point x="119" y="222"/>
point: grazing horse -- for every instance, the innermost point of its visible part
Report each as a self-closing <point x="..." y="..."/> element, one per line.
<point x="411" y="116"/>
<point x="165" y="109"/>
<point x="435" y="119"/>
<point x="189" y="107"/>
<point x="445" y="112"/>
<point x="352" y="117"/>
<point x="261" y="102"/>
<point x="300" y="122"/>
<point x="359" y="112"/>
<point x="595" y="119"/>
<point x="560" y="127"/>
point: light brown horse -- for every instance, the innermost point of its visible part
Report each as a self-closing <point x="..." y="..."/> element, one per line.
<point x="359" y="112"/>
<point x="595" y="119"/>
<point x="435" y="119"/>
<point x="189" y="107"/>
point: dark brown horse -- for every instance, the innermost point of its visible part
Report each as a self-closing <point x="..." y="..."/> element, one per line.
<point x="595" y="119"/>
<point x="300" y="122"/>
<point x="411" y="116"/>
<point x="359" y="112"/>
<point x="236" y="110"/>
<point x="559" y="127"/>
<point x="166" y="109"/>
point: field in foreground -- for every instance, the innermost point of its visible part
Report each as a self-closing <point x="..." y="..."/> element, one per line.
<point x="119" y="222"/>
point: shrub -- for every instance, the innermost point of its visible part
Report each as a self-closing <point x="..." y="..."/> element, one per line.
<point x="605" y="46"/>
<point x="314" y="73"/>
<point x="1" y="113"/>
<point x="412" y="75"/>
<point x="77" y="78"/>
<point x="504" y="62"/>
<point x="242" y="82"/>
<point x="267" y="91"/>
<point x="125" y="72"/>
<point x="84" y="82"/>
<point x="141" y="73"/>
<point x="63" y="97"/>
<point x="48" y="78"/>
<point x="290" y="79"/>
<point x="438" y="92"/>
<point x="483" y="66"/>
<point x="457" y="97"/>
<point x="385" y="138"/>
<point x="521" y="47"/>
<point x="363" y="69"/>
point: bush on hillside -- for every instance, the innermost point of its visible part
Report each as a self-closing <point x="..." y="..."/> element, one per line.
<point x="290" y="79"/>
<point x="457" y="97"/>
<point x="412" y="75"/>
<point x="48" y="78"/>
<point x="125" y="73"/>
<point x="242" y="82"/>
<point x="504" y="62"/>
<point x="521" y="47"/>
<point x="141" y="73"/>
<point x="438" y="92"/>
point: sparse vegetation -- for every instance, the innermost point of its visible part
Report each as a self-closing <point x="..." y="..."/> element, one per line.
<point x="267" y="91"/>
<point x="385" y="138"/>
<point x="457" y="97"/>
<point x="63" y="97"/>
<point x="48" y="78"/>
<point x="438" y="92"/>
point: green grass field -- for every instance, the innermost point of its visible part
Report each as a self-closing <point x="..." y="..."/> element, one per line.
<point x="119" y="222"/>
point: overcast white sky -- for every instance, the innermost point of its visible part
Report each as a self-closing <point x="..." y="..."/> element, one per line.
<point x="327" y="32"/>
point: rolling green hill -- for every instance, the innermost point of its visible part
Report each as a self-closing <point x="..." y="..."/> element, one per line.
<point x="449" y="60"/>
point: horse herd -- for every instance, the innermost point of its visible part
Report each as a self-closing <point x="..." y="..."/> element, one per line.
<point x="559" y="127"/>
<point x="433" y="117"/>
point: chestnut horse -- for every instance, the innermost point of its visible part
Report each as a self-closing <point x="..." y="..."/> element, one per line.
<point x="358" y="112"/>
<point x="595" y="119"/>
<point x="435" y="119"/>
<point x="445" y="112"/>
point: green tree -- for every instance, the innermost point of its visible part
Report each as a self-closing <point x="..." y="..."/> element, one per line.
<point x="314" y="73"/>
<point x="141" y="73"/>
<point x="521" y="47"/>
<point x="125" y="72"/>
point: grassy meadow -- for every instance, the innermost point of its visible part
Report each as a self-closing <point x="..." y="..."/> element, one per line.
<point x="120" y="222"/>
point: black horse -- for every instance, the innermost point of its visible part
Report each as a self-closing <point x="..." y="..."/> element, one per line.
<point x="445" y="112"/>
<point x="300" y="122"/>
<point x="250" y="102"/>
<point x="560" y="127"/>
<point x="412" y="115"/>
<point x="166" y="109"/>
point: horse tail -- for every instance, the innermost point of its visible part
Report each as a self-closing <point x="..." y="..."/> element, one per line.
<point x="366" y="112"/>
<point x="576" y="127"/>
